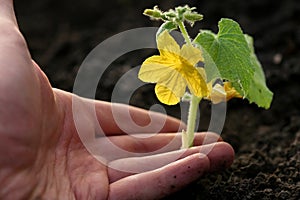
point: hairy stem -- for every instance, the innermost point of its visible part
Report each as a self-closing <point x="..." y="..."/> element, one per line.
<point x="184" y="32"/>
<point x="188" y="136"/>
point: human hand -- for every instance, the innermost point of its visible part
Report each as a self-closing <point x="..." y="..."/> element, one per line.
<point x="42" y="156"/>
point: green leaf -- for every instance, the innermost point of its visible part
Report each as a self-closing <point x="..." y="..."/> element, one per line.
<point x="169" y="26"/>
<point x="258" y="91"/>
<point x="229" y="52"/>
<point x="229" y="55"/>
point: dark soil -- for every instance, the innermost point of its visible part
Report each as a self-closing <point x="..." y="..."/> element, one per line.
<point x="267" y="142"/>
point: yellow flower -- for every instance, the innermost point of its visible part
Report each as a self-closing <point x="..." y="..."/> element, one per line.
<point x="230" y="91"/>
<point x="220" y="93"/>
<point x="174" y="70"/>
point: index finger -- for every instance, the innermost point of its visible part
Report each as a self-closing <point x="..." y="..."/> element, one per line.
<point x="117" y="119"/>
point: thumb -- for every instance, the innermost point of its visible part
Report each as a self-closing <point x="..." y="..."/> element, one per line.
<point x="7" y="11"/>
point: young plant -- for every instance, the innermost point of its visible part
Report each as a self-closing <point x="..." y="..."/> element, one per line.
<point x="231" y="68"/>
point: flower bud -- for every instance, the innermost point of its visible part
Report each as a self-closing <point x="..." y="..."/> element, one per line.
<point x="192" y="16"/>
<point x="153" y="13"/>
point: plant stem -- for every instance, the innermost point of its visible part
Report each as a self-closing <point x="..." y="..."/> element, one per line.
<point x="184" y="32"/>
<point x="188" y="136"/>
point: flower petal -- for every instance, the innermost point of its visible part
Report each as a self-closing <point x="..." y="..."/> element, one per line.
<point x="230" y="91"/>
<point x="165" y="95"/>
<point x="196" y="83"/>
<point x="154" y="68"/>
<point x="167" y="45"/>
<point x="202" y="72"/>
<point x="191" y="54"/>
<point x="218" y="94"/>
<point x="170" y="88"/>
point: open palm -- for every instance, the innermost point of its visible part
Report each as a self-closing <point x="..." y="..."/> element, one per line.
<point x="42" y="156"/>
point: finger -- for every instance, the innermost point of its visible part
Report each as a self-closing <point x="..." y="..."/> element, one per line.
<point x="116" y="119"/>
<point x="7" y="13"/>
<point x="145" y="143"/>
<point x="161" y="182"/>
<point x="220" y="154"/>
<point x="13" y="48"/>
<point x="121" y="168"/>
<point x="117" y="147"/>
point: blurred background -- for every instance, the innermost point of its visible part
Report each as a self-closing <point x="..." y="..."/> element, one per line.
<point x="60" y="34"/>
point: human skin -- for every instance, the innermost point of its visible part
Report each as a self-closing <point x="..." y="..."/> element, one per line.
<point x="42" y="156"/>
